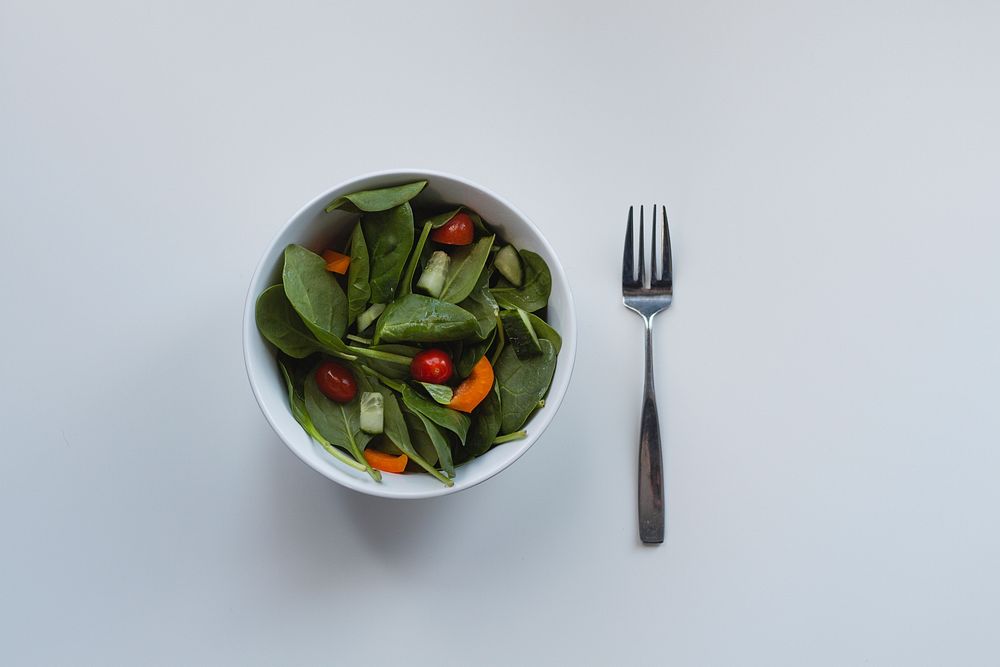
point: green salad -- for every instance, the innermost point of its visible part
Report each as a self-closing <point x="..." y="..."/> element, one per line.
<point x="418" y="343"/>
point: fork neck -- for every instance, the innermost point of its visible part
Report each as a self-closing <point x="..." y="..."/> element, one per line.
<point x="648" y="319"/>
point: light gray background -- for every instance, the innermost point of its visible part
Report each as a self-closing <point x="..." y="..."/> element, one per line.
<point x="828" y="374"/>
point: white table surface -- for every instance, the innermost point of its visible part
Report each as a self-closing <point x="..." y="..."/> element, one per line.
<point x="828" y="374"/>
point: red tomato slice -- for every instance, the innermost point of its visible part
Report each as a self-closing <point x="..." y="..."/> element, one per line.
<point x="460" y="230"/>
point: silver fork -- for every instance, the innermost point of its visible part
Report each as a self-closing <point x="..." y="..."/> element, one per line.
<point x="648" y="301"/>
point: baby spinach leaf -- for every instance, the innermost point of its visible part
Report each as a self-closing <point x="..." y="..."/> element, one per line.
<point x="407" y="285"/>
<point x="453" y="420"/>
<point x="358" y="290"/>
<point x="438" y="220"/>
<point x="477" y="220"/>
<point x="377" y="200"/>
<point x="315" y="295"/>
<point x="385" y="445"/>
<point x="339" y="423"/>
<point x="482" y="305"/>
<point x="418" y="436"/>
<point x="439" y="442"/>
<point x="464" y="270"/>
<point x="422" y="319"/>
<point x="390" y="236"/>
<point x="441" y="393"/>
<point x="534" y="294"/>
<point x="298" y="405"/>
<point x="471" y="353"/>
<point x="278" y="322"/>
<point x="501" y="342"/>
<point x="544" y="330"/>
<point x="485" y="424"/>
<point x="522" y="383"/>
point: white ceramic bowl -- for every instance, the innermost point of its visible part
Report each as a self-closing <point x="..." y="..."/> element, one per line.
<point x="311" y="226"/>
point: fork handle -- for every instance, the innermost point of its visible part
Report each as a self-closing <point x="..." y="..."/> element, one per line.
<point x="651" y="514"/>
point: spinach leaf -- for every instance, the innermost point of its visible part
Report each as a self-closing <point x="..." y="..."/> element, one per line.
<point x="471" y="353"/>
<point x="500" y="343"/>
<point x="441" y="393"/>
<point x="453" y="420"/>
<point x="377" y="200"/>
<point x="464" y="270"/>
<point x="477" y="220"/>
<point x="422" y="319"/>
<point x="407" y="285"/>
<point x="278" y="322"/>
<point x="485" y="424"/>
<point x="522" y="383"/>
<point x="534" y="294"/>
<point x="298" y="406"/>
<point x="544" y="330"/>
<point x="390" y="236"/>
<point x="339" y="423"/>
<point x="315" y="295"/>
<point x="482" y="305"/>
<point x="418" y="436"/>
<point x="438" y="220"/>
<point x="439" y="442"/>
<point x="384" y="445"/>
<point x="358" y="290"/>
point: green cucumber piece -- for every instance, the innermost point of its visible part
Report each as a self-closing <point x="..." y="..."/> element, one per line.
<point x="508" y="263"/>
<point x="520" y="334"/>
<point x="432" y="279"/>
<point x="367" y="318"/>
<point x="372" y="414"/>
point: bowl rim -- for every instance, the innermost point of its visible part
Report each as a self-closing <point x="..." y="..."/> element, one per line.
<point x="556" y="394"/>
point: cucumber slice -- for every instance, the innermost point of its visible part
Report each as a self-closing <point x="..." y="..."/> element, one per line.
<point x="371" y="412"/>
<point x="432" y="279"/>
<point x="367" y="318"/>
<point x="520" y="334"/>
<point x="508" y="263"/>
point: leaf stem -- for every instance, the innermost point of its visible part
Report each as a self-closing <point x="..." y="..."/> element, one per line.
<point x="387" y="381"/>
<point x="381" y="356"/>
<point x="510" y="437"/>
<point x="359" y="339"/>
<point x="336" y="453"/>
<point x="341" y="355"/>
<point x="359" y="455"/>
<point x="432" y="470"/>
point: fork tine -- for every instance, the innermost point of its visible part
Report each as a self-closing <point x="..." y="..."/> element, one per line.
<point x="628" y="266"/>
<point x="642" y="250"/>
<point x="653" y="273"/>
<point x="666" y="261"/>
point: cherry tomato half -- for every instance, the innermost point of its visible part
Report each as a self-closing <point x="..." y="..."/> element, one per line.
<point x="336" y="382"/>
<point x="433" y="366"/>
<point x="457" y="231"/>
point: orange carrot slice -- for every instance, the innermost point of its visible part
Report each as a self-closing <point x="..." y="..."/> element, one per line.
<point x="386" y="462"/>
<point x="474" y="388"/>
<point x="336" y="262"/>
